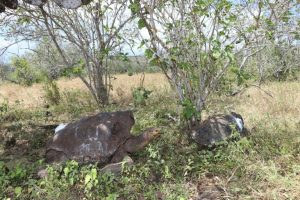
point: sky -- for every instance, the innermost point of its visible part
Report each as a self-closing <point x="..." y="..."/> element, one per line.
<point x="21" y="48"/>
<point x="15" y="50"/>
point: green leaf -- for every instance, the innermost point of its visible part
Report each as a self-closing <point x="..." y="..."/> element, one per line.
<point x="23" y="20"/>
<point x="189" y="109"/>
<point x="141" y="23"/>
<point x="217" y="55"/>
<point x="269" y="35"/>
<point x="200" y="3"/>
<point x="269" y="23"/>
<point x="66" y="171"/>
<point x="230" y="55"/>
<point x="232" y="18"/>
<point x="18" y="191"/>
<point x="149" y="53"/>
<point x="286" y="17"/>
<point x="222" y="33"/>
<point x="94" y="174"/>
<point x="297" y="36"/>
<point x="71" y="180"/>
<point x="123" y="57"/>
<point x="169" y="26"/>
<point x="112" y="197"/>
<point x="156" y="62"/>
<point x="260" y="4"/>
<point x="143" y="42"/>
<point x="135" y="7"/>
<point x="87" y="179"/>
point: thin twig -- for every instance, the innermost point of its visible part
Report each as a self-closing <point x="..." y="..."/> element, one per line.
<point x="252" y="85"/>
<point x="265" y="91"/>
<point x="232" y="175"/>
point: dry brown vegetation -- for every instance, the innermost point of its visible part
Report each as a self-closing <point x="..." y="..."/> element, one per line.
<point x="276" y="99"/>
<point x="122" y="87"/>
<point x="284" y="104"/>
<point x="275" y="122"/>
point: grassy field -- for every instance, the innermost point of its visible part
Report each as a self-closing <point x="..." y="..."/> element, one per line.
<point x="265" y="165"/>
<point x="122" y="88"/>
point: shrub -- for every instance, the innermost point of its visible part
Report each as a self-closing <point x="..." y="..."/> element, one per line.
<point x="52" y="94"/>
<point x="24" y="73"/>
<point x="4" y="107"/>
<point x="140" y="95"/>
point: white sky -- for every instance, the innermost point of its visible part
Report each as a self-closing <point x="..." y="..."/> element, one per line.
<point x="15" y="50"/>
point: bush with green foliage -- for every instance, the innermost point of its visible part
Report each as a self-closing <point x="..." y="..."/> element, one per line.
<point x="4" y="107"/>
<point x="140" y="95"/>
<point x="23" y="73"/>
<point x="5" y="70"/>
<point x="52" y="94"/>
<point x="10" y="180"/>
<point x="196" y="45"/>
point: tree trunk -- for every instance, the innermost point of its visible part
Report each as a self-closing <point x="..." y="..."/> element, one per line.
<point x="101" y="88"/>
<point x="102" y="94"/>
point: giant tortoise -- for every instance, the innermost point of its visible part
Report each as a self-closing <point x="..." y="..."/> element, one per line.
<point x="217" y="128"/>
<point x="103" y="138"/>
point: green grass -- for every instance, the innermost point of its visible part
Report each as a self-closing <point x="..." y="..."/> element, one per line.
<point x="265" y="165"/>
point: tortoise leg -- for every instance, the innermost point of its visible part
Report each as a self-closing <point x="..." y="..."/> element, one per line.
<point x="116" y="168"/>
<point x="119" y="155"/>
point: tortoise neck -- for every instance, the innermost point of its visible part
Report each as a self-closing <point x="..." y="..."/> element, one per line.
<point x="136" y="143"/>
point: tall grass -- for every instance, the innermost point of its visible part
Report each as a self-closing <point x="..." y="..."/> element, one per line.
<point x="122" y="87"/>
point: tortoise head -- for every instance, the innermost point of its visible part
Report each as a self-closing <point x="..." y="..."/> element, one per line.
<point x="136" y="143"/>
<point x="238" y="120"/>
<point x="151" y="133"/>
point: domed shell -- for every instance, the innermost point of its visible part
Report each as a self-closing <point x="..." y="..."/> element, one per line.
<point x="218" y="128"/>
<point x="93" y="138"/>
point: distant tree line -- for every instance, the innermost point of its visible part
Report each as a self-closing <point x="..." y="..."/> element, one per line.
<point x="34" y="68"/>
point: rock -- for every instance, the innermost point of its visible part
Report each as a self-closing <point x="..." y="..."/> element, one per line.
<point x="116" y="168"/>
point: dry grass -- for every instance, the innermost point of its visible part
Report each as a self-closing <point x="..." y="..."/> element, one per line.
<point x="275" y="184"/>
<point x="28" y="96"/>
<point x="275" y="123"/>
<point x="278" y="101"/>
<point x="254" y="103"/>
<point x="283" y="106"/>
<point x="122" y="88"/>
